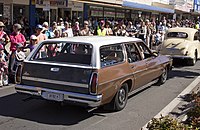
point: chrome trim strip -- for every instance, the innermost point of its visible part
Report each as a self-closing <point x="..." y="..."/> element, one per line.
<point x="60" y="64"/>
<point x="55" y="82"/>
<point x="91" y="100"/>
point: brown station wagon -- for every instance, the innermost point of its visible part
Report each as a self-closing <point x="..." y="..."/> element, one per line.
<point x="91" y="71"/>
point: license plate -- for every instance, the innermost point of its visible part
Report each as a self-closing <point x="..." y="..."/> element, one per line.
<point x="53" y="96"/>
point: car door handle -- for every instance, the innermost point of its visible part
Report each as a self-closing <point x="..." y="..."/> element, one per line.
<point x="55" y="69"/>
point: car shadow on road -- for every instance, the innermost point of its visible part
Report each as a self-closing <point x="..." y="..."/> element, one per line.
<point x="183" y="73"/>
<point x="41" y="111"/>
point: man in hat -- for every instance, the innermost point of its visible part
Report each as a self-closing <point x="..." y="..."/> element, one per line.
<point x="40" y="36"/>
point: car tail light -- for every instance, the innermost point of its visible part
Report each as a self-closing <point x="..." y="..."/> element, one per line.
<point x="93" y="83"/>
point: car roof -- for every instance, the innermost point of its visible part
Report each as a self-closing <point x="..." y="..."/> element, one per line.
<point x="182" y="29"/>
<point x="95" y="40"/>
<point x="190" y="31"/>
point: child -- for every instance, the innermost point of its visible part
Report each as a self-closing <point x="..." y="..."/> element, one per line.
<point x="18" y="56"/>
<point x="3" y="67"/>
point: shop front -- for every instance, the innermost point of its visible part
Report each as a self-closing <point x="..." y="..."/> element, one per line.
<point x="108" y="13"/>
<point x="49" y="10"/>
<point x="147" y="11"/>
<point x="20" y="12"/>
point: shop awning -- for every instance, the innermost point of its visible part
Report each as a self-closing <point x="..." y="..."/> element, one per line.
<point x="146" y="7"/>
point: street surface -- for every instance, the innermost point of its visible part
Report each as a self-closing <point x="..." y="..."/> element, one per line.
<point x="17" y="112"/>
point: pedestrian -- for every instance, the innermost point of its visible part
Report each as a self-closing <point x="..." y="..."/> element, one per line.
<point x="46" y="31"/>
<point x="40" y="36"/>
<point x="108" y="28"/>
<point x="16" y="37"/>
<point x="3" y="67"/>
<point x="33" y="42"/>
<point x="85" y="31"/>
<point x="67" y="32"/>
<point x="76" y="29"/>
<point x="18" y="57"/>
<point x="4" y="38"/>
<point x="101" y="30"/>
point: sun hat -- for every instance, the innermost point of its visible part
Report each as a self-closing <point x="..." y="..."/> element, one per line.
<point x="2" y="24"/>
<point x="39" y="27"/>
<point x="33" y="37"/>
<point x="45" y="24"/>
<point x="17" y="26"/>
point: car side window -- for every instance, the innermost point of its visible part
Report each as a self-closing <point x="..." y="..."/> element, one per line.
<point x="111" y="54"/>
<point x="144" y="50"/>
<point x="196" y="36"/>
<point x="132" y="53"/>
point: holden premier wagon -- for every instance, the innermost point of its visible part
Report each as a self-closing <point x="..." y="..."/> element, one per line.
<point x="91" y="71"/>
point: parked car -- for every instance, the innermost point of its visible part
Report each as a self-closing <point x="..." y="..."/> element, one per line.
<point x="182" y="43"/>
<point x="91" y="71"/>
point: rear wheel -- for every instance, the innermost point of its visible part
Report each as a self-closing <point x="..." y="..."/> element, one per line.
<point x="193" y="61"/>
<point x="121" y="98"/>
<point x="163" y="78"/>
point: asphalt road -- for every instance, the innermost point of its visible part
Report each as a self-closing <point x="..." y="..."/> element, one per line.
<point x="19" y="113"/>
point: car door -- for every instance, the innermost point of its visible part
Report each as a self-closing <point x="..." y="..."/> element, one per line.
<point x="153" y="67"/>
<point x="137" y="65"/>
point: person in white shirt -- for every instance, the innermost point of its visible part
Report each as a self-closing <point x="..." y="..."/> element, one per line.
<point x="67" y="32"/>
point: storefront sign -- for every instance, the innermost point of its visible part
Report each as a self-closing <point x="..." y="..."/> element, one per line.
<point x="54" y="3"/>
<point x="75" y="6"/>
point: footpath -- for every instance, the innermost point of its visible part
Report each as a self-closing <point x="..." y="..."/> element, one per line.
<point x="7" y="90"/>
<point x="180" y="105"/>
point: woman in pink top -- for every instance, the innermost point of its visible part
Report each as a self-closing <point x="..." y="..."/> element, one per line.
<point x="16" y="37"/>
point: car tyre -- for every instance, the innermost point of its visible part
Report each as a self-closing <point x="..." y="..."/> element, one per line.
<point x="192" y="62"/>
<point x="121" y="98"/>
<point x="163" y="78"/>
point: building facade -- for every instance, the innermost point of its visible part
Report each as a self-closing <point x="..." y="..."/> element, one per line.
<point x="38" y="11"/>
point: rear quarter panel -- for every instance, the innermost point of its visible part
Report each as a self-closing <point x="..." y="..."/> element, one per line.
<point x="111" y="78"/>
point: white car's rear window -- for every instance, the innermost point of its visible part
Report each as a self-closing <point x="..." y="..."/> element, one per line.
<point x="177" y="35"/>
<point x="75" y="53"/>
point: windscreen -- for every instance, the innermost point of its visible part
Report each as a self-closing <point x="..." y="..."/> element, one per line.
<point x="60" y="52"/>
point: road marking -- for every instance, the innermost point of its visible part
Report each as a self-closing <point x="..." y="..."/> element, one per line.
<point x="165" y="111"/>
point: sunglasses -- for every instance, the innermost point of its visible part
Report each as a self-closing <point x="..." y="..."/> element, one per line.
<point x="1" y="26"/>
<point x="34" y="39"/>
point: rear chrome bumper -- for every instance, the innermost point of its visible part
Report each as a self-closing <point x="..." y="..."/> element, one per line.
<point x="90" y="100"/>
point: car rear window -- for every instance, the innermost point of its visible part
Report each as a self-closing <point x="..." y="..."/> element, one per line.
<point x="74" y="53"/>
<point x="177" y="35"/>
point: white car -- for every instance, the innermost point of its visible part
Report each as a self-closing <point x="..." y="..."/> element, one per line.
<point x="182" y="43"/>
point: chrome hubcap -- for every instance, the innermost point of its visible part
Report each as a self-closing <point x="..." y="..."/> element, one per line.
<point x="122" y="96"/>
<point x="164" y="75"/>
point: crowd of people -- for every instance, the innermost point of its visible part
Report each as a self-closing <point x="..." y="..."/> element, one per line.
<point x="151" y="32"/>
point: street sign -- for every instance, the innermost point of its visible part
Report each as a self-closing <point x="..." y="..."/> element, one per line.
<point x="47" y="6"/>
